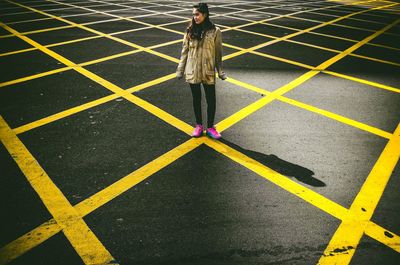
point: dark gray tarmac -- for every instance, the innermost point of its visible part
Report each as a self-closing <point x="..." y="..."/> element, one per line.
<point x="203" y="208"/>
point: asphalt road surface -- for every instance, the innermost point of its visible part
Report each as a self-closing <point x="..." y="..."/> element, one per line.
<point x="97" y="165"/>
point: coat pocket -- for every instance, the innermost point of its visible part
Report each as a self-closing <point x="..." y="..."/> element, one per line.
<point x="210" y="72"/>
<point x="189" y="74"/>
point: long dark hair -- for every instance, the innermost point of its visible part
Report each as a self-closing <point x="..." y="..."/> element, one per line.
<point x="196" y="31"/>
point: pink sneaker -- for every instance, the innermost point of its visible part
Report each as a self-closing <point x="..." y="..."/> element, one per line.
<point x="213" y="133"/>
<point x="198" y="130"/>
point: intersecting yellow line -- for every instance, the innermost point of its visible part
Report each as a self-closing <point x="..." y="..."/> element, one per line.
<point x="320" y="47"/>
<point x="243" y="111"/>
<point x="363" y="81"/>
<point x="258" y="103"/>
<point x="28" y="78"/>
<point x="310" y="108"/>
<point x="38" y="31"/>
<point x="310" y="45"/>
<point x="50" y="228"/>
<point x="347" y="26"/>
<point x="296" y="33"/>
<point x="84" y="241"/>
<point x="100" y="33"/>
<point x="350" y="231"/>
<point x="306" y="66"/>
<point x="91" y="37"/>
<point x="51" y="72"/>
<point x="97" y="253"/>
<point x="234" y="118"/>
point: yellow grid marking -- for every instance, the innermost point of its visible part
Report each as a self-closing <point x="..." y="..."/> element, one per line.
<point x="28" y="241"/>
<point x="323" y="48"/>
<point x="123" y="18"/>
<point x="23" y="79"/>
<point x="380" y="133"/>
<point x="101" y="34"/>
<point x="378" y="233"/>
<point x="84" y="241"/>
<point x="95" y="253"/>
<point x="31" y="77"/>
<point x="38" y="31"/>
<point x="304" y="106"/>
<point x="341" y="38"/>
<point x="375" y="227"/>
<point x="374" y="231"/>
<point x="231" y="120"/>
<point x="293" y="34"/>
<point x="350" y="231"/>
<point x="89" y="38"/>
<point x="50" y="228"/>
<point x="346" y="26"/>
<point x="285" y="183"/>
<point x="74" y="110"/>
<point x="180" y="22"/>
<point x="359" y="80"/>
<point x="337" y="117"/>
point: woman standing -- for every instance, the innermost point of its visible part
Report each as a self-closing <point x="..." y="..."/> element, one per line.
<point x="201" y="56"/>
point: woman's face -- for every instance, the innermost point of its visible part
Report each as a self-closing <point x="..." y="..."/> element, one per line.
<point x="198" y="16"/>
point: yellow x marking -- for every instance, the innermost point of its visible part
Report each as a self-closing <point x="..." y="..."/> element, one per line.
<point x="31" y="169"/>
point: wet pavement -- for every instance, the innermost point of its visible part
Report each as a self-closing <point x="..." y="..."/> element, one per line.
<point x="98" y="166"/>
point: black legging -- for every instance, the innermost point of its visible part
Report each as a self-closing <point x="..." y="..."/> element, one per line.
<point x="210" y="97"/>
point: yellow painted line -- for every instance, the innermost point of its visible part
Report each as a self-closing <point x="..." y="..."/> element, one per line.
<point x="29" y="20"/>
<point x="287" y="15"/>
<point x="375" y="59"/>
<point x="342" y="38"/>
<point x="243" y="113"/>
<point x="21" y="245"/>
<point x="247" y="86"/>
<point x="50" y="45"/>
<point x="285" y="183"/>
<point x="101" y="34"/>
<point x="120" y="17"/>
<point x="304" y="106"/>
<point x="63" y="114"/>
<point x="337" y="117"/>
<point x="314" y="46"/>
<point x="107" y="58"/>
<point x="294" y="34"/>
<point x="31" y="77"/>
<point x="317" y="46"/>
<point x="384" y="236"/>
<point x="350" y="231"/>
<point x="352" y="27"/>
<point x="37" y="31"/>
<point x="97" y="102"/>
<point x="271" y="57"/>
<point x="17" y="51"/>
<point x="151" y="83"/>
<point x="19" y="80"/>
<point x="84" y="241"/>
<point x="306" y="66"/>
<point x="28" y="241"/>
<point x="96" y="37"/>
<point x="373" y="230"/>
<point x="356" y="46"/>
<point x="355" y="79"/>
<point x="363" y="81"/>
<point x="124" y="184"/>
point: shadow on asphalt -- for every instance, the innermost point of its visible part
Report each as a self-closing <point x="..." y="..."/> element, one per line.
<point x="283" y="167"/>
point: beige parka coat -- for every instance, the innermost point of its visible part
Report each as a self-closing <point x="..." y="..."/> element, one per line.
<point x="200" y="58"/>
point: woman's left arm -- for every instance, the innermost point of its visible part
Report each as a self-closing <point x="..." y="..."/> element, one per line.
<point x="218" y="54"/>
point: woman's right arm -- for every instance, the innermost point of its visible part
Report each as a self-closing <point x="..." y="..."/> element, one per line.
<point x="184" y="54"/>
